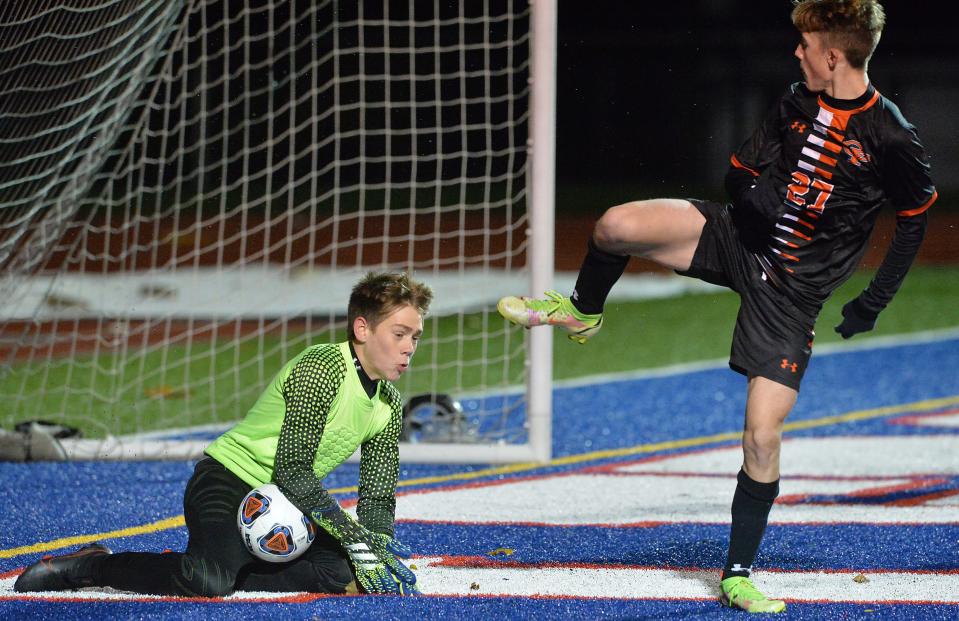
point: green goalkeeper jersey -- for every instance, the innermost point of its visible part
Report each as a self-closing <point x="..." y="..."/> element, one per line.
<point x="310" y="419"/>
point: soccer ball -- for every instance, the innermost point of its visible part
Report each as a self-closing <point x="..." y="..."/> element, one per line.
<point x="271" y="527"/>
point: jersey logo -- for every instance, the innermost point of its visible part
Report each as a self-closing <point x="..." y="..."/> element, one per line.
<point x="857" y="156"/>
<point x="799" y="128"/>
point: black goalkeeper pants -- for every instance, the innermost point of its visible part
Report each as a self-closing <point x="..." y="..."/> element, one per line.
<point x="216" y="562"/>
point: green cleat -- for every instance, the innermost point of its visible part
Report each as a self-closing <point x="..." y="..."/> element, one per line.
<point x="739" y="592"/>
<point x="555" y="310"/>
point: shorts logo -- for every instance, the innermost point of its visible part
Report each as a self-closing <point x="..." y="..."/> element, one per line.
<point x="857" y="156"/>
<point x="785" y="364"/>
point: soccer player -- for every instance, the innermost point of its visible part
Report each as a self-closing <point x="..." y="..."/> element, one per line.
<point x="806" y="189"/>
<point x="322" y="405"/>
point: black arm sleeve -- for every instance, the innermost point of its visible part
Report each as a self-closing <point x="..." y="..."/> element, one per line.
<point x="380" y="470"/>
<point x="738" y="181"/>
<point x="756" y="201"/>
<point x="905" y="171"/>
<point x="309" y="392"/>
<point x="910" y="231"/>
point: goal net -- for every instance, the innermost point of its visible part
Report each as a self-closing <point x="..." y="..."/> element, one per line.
<point x="188" y="191"/>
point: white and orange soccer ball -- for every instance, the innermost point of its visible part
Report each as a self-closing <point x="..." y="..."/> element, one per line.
<point x="271" y="527"/>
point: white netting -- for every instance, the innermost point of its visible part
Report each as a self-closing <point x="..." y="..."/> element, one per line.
<point x="188" y="190"/>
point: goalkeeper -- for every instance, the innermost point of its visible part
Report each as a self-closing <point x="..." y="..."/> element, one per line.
<point x="323" y="404"/>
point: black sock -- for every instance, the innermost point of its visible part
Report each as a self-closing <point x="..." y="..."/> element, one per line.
<point x="597" y="275"/>
<point x="751" y="504"/>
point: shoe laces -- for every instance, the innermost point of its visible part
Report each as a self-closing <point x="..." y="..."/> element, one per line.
<point x="553" y="303"/>
<point x="745" y="589"/>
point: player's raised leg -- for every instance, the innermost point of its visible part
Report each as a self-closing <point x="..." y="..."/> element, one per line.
<point x="767" y="405"/>
<point x="663" y="230"/>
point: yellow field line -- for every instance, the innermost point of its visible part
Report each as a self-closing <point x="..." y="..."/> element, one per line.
<point x="64" y="542"/>
<point x="177" y="521"/>
<point x="918" y="406"/>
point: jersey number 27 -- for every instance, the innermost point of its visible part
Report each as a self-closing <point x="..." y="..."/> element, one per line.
<point x="802" y="184"/>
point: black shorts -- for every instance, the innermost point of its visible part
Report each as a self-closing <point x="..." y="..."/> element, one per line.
<point x="773" y="338"/>
<point x="216" y="561"/>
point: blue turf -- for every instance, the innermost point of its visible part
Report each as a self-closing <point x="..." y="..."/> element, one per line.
<point x="61" y="500"/>
<point x="837" y="546"/>
<point x="712" y="401"/>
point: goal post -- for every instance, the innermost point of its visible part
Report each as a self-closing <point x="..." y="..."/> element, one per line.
<point x="188" y="191"/>
<point x="539" y="383"/>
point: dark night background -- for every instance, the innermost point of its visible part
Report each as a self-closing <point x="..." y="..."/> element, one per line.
<point x="652" y="97"/>
<point x="651" y="100"/>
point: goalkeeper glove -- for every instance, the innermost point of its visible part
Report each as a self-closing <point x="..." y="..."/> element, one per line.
<point x="856" y="319"/>
<point x="373" y="555"/>
<point x="398" y="569"/>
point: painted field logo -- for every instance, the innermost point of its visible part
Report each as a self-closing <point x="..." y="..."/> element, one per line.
<point x="857" y="156"/>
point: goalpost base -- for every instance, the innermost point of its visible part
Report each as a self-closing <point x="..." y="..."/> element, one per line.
<point x="42" y="446"/>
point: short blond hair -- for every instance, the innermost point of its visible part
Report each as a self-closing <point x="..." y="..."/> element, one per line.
<point x="853" y="26"/>
<point x="377" y="295"/>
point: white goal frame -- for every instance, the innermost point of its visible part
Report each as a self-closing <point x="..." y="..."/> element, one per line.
<point x="538" y="345"/>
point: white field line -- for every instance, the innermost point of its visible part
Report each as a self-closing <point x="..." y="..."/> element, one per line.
<point x="573" y="580"/>
<point x="827" y="349"/>
<point x="618" y="582"/>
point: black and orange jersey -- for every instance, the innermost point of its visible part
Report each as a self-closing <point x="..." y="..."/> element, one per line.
<point x="829" y="165"/>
